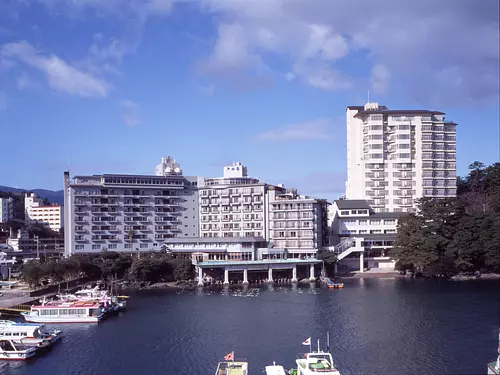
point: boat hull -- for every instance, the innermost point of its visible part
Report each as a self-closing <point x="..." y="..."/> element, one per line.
<point x="60" y="319"/>
<point x="17" y="356"/>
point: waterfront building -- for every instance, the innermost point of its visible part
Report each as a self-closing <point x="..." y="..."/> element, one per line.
<point x="121" y="212"/>
<point x="233" y="205"/>
<point x="356" y="219"/>
<point x="50" y="216"/>
<point x="397" y="156"/>
<point x="6" y="209"/>
<point x="20" y="244"/>
<point x="298" y="223"/>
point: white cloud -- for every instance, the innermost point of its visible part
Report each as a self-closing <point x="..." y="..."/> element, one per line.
<point x="456" y="39"/>
<point x="6" y="64"/>
<point x="130" y="113"/>
<point x="380" y="75"/>
<point x="60" y="75"/>
<point x="24" y="81"/>
<point x="312" y="130"/>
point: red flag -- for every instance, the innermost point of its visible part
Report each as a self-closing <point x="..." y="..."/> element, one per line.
<point x="229" y="357"/>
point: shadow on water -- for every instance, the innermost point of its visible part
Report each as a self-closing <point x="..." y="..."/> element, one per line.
<point x="377" y="326"/>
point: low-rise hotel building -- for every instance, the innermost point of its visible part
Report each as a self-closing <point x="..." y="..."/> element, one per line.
<point x="357" y="219"/>
<point x="298" y="223"/>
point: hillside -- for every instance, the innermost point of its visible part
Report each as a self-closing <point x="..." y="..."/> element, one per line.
<point x="50" y="195"/>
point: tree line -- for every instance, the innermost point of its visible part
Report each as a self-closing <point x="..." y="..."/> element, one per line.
<point x="454" y="235"/>
<point x="107" y="265"/>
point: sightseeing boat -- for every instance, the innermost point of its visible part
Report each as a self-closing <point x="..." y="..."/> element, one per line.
<point x="12" y="350"/>
<point x="315" y="362"/>
<point x="275" y="370"/>
<point x="65" y="312"/>
<point x="28" y="333"/>
<point x="231" y="367"/>
<point x="494" y="367"/>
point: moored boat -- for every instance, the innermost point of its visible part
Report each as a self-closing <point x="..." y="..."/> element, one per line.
<point x="315" y="362"/>
<point x="65" y="312"/>
<point x="231" y="367"/>
<point x="15" y="351"/>
<point x="275" y="370"/>
<point x="494" y="367"/>
<point x="28" y="333"/>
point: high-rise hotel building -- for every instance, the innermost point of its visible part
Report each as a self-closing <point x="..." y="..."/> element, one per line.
<point x="397" y="156"/>
<point x="129" y="212"/>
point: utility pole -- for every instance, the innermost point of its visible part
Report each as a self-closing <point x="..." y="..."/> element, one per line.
<point x="37" y="249"/>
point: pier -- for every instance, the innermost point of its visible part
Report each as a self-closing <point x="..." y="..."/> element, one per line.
<point x="270" y="266"/>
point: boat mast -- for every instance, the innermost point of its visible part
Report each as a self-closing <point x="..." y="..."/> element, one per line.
<point x="328" y="341"/>
<point x="497" y="365"/>
<point x="318" y="346"/>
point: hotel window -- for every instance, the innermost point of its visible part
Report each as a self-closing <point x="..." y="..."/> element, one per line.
<point x="344" y="212"/>
<point x="96" y="247"/>
<point x="374" y="222"/>
<point x="363" y="231"/>
<point x="390" y="222"/>
<point x="363" y="222"/>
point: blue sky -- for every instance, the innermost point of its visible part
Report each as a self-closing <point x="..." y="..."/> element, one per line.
<point x="112" y="86"/>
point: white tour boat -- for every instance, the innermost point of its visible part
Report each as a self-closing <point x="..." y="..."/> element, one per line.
<point x="12" y="350"/>
<point x="315" y="363"/>
<point x="65" y="312"/>
<point x="275" y="370"/>
<point x="232" y="367"/>
<point x="28" y="333"/>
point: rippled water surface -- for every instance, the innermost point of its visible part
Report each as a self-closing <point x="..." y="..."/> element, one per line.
<point x="377" y="326"/>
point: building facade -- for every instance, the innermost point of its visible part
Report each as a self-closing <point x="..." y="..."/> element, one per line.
<point x="297" y="223"/>
<point x="397" y="156"/>
<point x="130" y="212"/>
<point x="6" y="209"/>
<point x="233" y="205"/>
<point x="357" y="219"/>
<point x="50" y="216"/>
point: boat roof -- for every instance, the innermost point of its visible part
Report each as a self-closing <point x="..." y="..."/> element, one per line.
<point x="15" y="324"/>
<point x="68" y="305"/>
<point x="232" y="368"/>
<point x="275" y="370"/>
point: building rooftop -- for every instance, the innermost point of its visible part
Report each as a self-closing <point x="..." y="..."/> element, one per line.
<point x="379" y="215"/>
<point x="348" y="204"/>
<point x="190" y="240"/>
<point x="386" y="111"/>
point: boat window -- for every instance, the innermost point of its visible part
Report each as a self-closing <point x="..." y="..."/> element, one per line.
<point x="7" y="334"/>
<point x="63" y="311"/>
<point x="24" y="334"/>
<point x="15" y="334"/>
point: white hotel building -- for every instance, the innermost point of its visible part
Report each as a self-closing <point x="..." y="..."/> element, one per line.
<point x="233" y="205"/>
<point x="50" y="216"/>
<point x="6" y="209"/>
<point x="174" y="211"/>
<point x="397" y="156"/>
<point x="103" y="212"/>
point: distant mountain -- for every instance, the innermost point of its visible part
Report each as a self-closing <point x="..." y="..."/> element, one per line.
<point x="50" y="195"/>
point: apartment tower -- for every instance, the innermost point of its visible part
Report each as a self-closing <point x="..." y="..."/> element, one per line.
<point x="397" y="156"/>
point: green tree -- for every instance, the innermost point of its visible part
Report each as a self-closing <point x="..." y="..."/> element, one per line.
<point x="32" y="273"/>
<point x="329" y="259"/>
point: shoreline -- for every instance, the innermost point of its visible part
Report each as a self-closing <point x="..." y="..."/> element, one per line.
<point x="192" y="285"/>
